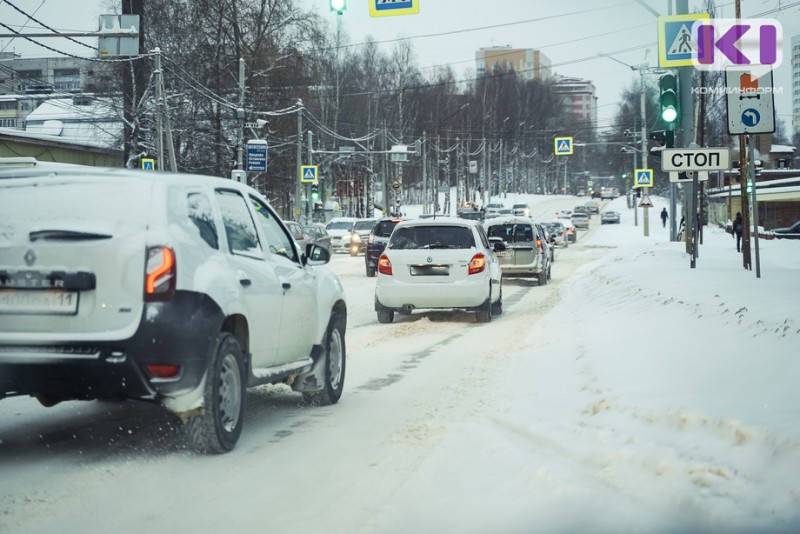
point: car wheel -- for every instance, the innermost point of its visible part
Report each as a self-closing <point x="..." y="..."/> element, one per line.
<point x="218" y="428"/>
<point x="370" y="272"/>
<point x="542" y="279"/>
<point x="385" y="316"/>
<point x="497" y="307"/>
<point x="549" y="272"/>
<point x="335" y="358"/>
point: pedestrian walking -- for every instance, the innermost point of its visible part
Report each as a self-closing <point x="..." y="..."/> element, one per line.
<point x="664" y="217"/>
<point x="737" y="231"/>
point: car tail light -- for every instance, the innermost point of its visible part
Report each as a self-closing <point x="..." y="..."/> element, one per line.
<point x="370" y="239"/>
<point x="163" y="371"/>
<point x="160" y="274"/>
<point x="539" y="245"/>
<point x="477" y="264"/>
<point x="384" y="265"/>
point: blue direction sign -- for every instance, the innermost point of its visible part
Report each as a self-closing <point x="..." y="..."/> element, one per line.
<point x="384" y="8"/>
<point x="643" y="178"/>
<point x="563" y="146"/>
<point x="308" y="174"/>
<point x="256" y="156"/>
<point x="677" y="46"/>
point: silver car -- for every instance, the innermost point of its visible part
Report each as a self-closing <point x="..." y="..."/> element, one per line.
<point x="580" y="220"/>
<point x="526" y="250"/>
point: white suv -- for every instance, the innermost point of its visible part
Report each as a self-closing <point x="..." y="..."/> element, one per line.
<point x="179" y="289"/>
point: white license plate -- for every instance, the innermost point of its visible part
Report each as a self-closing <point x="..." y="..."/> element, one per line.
<point x="38" y="302"/>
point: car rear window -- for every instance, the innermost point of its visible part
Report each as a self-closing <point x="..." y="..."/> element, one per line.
<point x="384" y="228"/>
<point x="431" y="237"/>
<point x="512" y="233"/>
<point x="340" y="225"/>
<point x="363" y="225"/>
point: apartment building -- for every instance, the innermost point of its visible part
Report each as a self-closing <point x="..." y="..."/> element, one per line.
<point x="528" y="63"/>
<point x="580" y="98"/>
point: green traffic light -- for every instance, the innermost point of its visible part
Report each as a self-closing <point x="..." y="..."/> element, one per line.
<point x="668" y="84"/>
<point x="338" y="5"/>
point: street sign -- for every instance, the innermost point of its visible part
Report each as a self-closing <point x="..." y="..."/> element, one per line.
<point x="256" y="156"/>
<point x="646" y="202"/>
<point x="695" y="159"/>
<point x="563" y="146"/>
<point x="308" y="174"/>
<point x="643" y="178"/>
<point x="110" y="42"/>
<point x="677" y="46"/>
<point x="749" y="102"/>
<point x="387" y="8"/>
<point x="473" y="166"/>
<point x="688" y="176"/>
<point x="148" y="164"/>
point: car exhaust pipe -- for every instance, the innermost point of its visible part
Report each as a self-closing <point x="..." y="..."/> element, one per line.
<point x="407" y="308"/>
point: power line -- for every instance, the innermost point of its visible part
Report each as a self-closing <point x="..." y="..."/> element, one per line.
<point x="42" y="24"/>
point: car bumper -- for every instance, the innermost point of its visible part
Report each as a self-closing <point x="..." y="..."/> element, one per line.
<point x="180" y="332"/>
<point x="470" y="293"/>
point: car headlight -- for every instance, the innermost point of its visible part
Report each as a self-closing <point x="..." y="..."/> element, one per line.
<point x="355" y="238"/>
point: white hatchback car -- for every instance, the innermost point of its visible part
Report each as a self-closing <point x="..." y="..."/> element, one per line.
<point x="177" y="289"/>
<point x="441" y="263"/>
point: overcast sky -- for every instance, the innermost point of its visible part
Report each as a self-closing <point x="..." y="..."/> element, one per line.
<point x="570" y="34"/>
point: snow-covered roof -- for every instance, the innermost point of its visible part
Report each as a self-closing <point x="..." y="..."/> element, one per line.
<point x="780" y="149"/>
<point x="85" y="121"/>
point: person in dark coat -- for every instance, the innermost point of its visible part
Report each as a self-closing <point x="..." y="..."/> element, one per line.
<point x="664" y="217"/>
<point x="737" y="230"/>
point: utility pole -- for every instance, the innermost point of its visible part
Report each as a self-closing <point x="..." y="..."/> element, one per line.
<point x="240" y="117"/>
<point x="310" y="159"/>
<point x="298" y="191"/>
<point x="424" y="172"/>
<point x="133" y="83"/>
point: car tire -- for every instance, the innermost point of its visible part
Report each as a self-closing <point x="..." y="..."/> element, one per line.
<point x="484" y="313"/>
<point x="335" y="360"/>
<point x="370" y="272"/>
<point x="542" y="278"/>
<point x="385" y="316"/>
<point x="218" y="428"/>
<point x="497" y="307"/>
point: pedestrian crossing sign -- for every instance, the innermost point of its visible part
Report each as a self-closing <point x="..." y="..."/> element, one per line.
<point x="643" y="178"/>
<point x="677" y="44"/>
<point x="563" y="146"/>
<point x="308" y="174"/>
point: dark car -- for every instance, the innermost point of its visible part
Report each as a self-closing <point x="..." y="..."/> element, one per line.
<point x="376" y="242"/>
<point x="318" y="234"/>
<point x="790" y="232"/>
<point x="358" y="236"/>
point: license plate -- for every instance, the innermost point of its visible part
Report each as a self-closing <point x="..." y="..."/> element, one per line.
<point x="38" y="302"/>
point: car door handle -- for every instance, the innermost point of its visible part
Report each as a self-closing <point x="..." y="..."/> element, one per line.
<point x="245" y="282"/>
<point x="286" y="285"/>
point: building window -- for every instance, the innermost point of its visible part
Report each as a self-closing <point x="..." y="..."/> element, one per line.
<point x="67" y="79"/>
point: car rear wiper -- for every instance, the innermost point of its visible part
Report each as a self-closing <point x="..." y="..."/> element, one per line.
<point x="66" y="235"/>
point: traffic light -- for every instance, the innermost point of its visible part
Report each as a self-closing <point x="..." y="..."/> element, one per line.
<point x="339" y="6"/>
<point x="668" y="99"/>
<point x="314" y="192"/>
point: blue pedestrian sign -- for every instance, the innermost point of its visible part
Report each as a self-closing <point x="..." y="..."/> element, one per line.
<point x="677" y="46"/>
<point x="308" y="174"/>
<point x="643" y="178"/>
<point x="148" y="164"/>
<point x="385" y="8"/>
<point x="563" y="146"/>
<point x="256" y="156"/>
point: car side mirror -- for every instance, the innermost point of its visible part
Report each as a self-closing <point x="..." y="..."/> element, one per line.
<point x="316" y="255"/>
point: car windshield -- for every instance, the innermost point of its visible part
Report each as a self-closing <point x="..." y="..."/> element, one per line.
<point x="512" y="233"/>
<point x="363" y="225"/>
<point x="340" y="225"/>
<point x="432" y="237"/>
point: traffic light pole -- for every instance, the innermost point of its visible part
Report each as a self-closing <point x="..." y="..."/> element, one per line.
<point x="686" y="139"/>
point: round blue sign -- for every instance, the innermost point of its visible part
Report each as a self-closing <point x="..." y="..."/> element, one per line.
<point x="751" y="117"/>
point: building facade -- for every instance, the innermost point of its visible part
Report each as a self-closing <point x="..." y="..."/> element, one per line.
<point x="528" y="63"/>
<point x="580" y="98"/>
